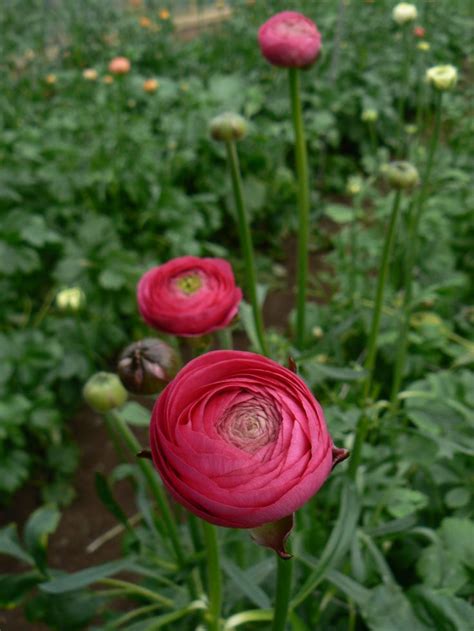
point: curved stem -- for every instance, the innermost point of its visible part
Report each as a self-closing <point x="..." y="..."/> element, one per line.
<point x="410" y="260"/>
<point x="303" y="204"/>
<point x="377" y="312"/>
<point x="283" y="591"/>
<point x="157" y="491"/>
<point x="213" y="576"/>
<point x="246" y="244"/>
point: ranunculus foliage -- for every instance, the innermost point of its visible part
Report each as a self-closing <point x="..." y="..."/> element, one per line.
<point x="240" y="440"/>
<point x="189" y="296"/>
<point x="290" y="40"/>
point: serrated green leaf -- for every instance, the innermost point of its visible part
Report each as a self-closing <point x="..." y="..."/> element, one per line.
<point x="135" y="414"/>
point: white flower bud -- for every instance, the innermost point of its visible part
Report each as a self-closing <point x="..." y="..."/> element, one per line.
<point x="442" y="77"/>
<point x="404" y="12"/>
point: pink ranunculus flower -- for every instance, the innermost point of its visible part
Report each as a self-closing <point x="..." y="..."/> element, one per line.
<point x="239" y="440"/>
<point x="119" y="65"/>
<point x="290" y="39"/>
<point x="189" y="296"/>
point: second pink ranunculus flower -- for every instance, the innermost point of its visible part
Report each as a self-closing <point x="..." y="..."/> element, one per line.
<point x="290" y="40"/>
<point x="189" y="296"/>
<point x="239" y="440"/>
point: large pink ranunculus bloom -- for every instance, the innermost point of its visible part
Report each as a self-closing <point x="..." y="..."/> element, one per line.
<point x="189" y="296"/>
<point x="240" y="440"/>
<point x="290" y="39"/>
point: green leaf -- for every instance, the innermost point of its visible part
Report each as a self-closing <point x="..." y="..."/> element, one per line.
<point x="442" y="611"/>
<point x="135" y="414"/>
<point x="83" y="578"/>
<point x="106" y="495"/>
<point x="248" y="587"/>
<point x="39" y="526"/>
<point x="10" y="545"/>
<point x="338" y="543"/>
<point x="320" y="372"/>
<point x="388" y="609"/>
<point x="14" y="588"/>
<point x="339" y="213"/>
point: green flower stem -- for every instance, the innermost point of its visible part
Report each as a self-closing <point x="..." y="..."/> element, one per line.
<point x="246" y="243"/>
<point x="405" y="81"/>
<point x="213" y="576"/>
<point x="224" y="337"/>
<point x="410" y="259"/>
<point x="138" y="590"/>
<point x="362" y="425"/>
<point x="303" y="203"/>
<point x="377" y="312"/>
<point x="283" y="592"/>
<point x="156" y="489"/>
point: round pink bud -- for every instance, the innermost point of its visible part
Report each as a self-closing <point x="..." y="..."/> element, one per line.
<point x="119" y="65"/>
<point x="290" y="40"/>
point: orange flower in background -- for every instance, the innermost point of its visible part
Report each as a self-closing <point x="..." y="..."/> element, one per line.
<point x="108" y="79"/>
<point x="119" y="65"/>
<point x="144" y="22"/>
<point x="135" y="4"/>
<point x="164" y="14"/>
<point x="151" y="85"/>
<point x="51" y="79"/>
<point x="90" y="74"/>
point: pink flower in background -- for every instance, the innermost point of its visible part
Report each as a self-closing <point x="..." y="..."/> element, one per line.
<point x="289" y="39"/>
<point x="189" y="296"/>
<point x="240" y="440"/>
<point x="119" y="65"/>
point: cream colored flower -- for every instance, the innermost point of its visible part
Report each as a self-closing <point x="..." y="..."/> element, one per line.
<point x="51" y="79"/>
<point x="442" y="77"/>
<point x="70" y="299"/>
<point x="404" y="12"/>
<point x="90" y="74"/>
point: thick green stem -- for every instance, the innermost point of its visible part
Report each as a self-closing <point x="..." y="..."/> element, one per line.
<point x="224" y="337"/>
<point x="404" y="83"/>
<point x="156" y="489"/>
<point x="213" y="577"/>
<point x="377" y="312"/>
<point x="410" y="259"/>
<point x="246" y="244"/>
<point x="283" y="592"/>
<point x="303" y="204"/>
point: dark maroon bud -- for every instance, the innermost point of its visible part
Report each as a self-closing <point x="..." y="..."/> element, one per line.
<point x="338" y="455"/>
<point x="145" y="367"/>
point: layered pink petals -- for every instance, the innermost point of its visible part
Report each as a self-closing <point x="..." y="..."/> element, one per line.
<point x="240" y="440"/>
<point x="290" y="40"/>
<point x="208" y="302"/>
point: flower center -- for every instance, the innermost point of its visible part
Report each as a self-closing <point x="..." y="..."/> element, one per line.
<point x="189" y="283"/>
<point x="250" y="425"/>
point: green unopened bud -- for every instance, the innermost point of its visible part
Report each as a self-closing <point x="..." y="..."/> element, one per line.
<point x="411" y="129"/>
<point x="104" y="392"/>
<point x="442" y="77"/>
<point x="401" y="175"/>
<point x="70" y="299"/>
<point x="145" y="367"/>
<point x="354" y="185"/>
<point x="369" y="116"/>
<point x="228" y="126"/>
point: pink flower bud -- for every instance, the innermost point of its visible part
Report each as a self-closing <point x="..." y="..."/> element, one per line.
<point x="419" y="31"/>
<point x="119" y="65"/>
<point x="290" y="40"/>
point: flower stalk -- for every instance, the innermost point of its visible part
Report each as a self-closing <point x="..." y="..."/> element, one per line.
<point x="246" y="244"/>
<point x="412" y="242"/>
<point x="283" y="592"/>
<point x="213" y="576"/>
<point x="303" y="203"/>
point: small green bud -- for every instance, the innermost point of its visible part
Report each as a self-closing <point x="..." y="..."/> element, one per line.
<point x="228" y="126"/>
<point x="70" y="299"/>
<point x="369" y="116"/>
<point x="354" y="185"/>
<point x="401" y="175"/>
<point x="145" y="367"/>
<point x="104" y="392"/>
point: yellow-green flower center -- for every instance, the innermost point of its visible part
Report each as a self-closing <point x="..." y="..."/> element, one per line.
<point x="189" y="283"/>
